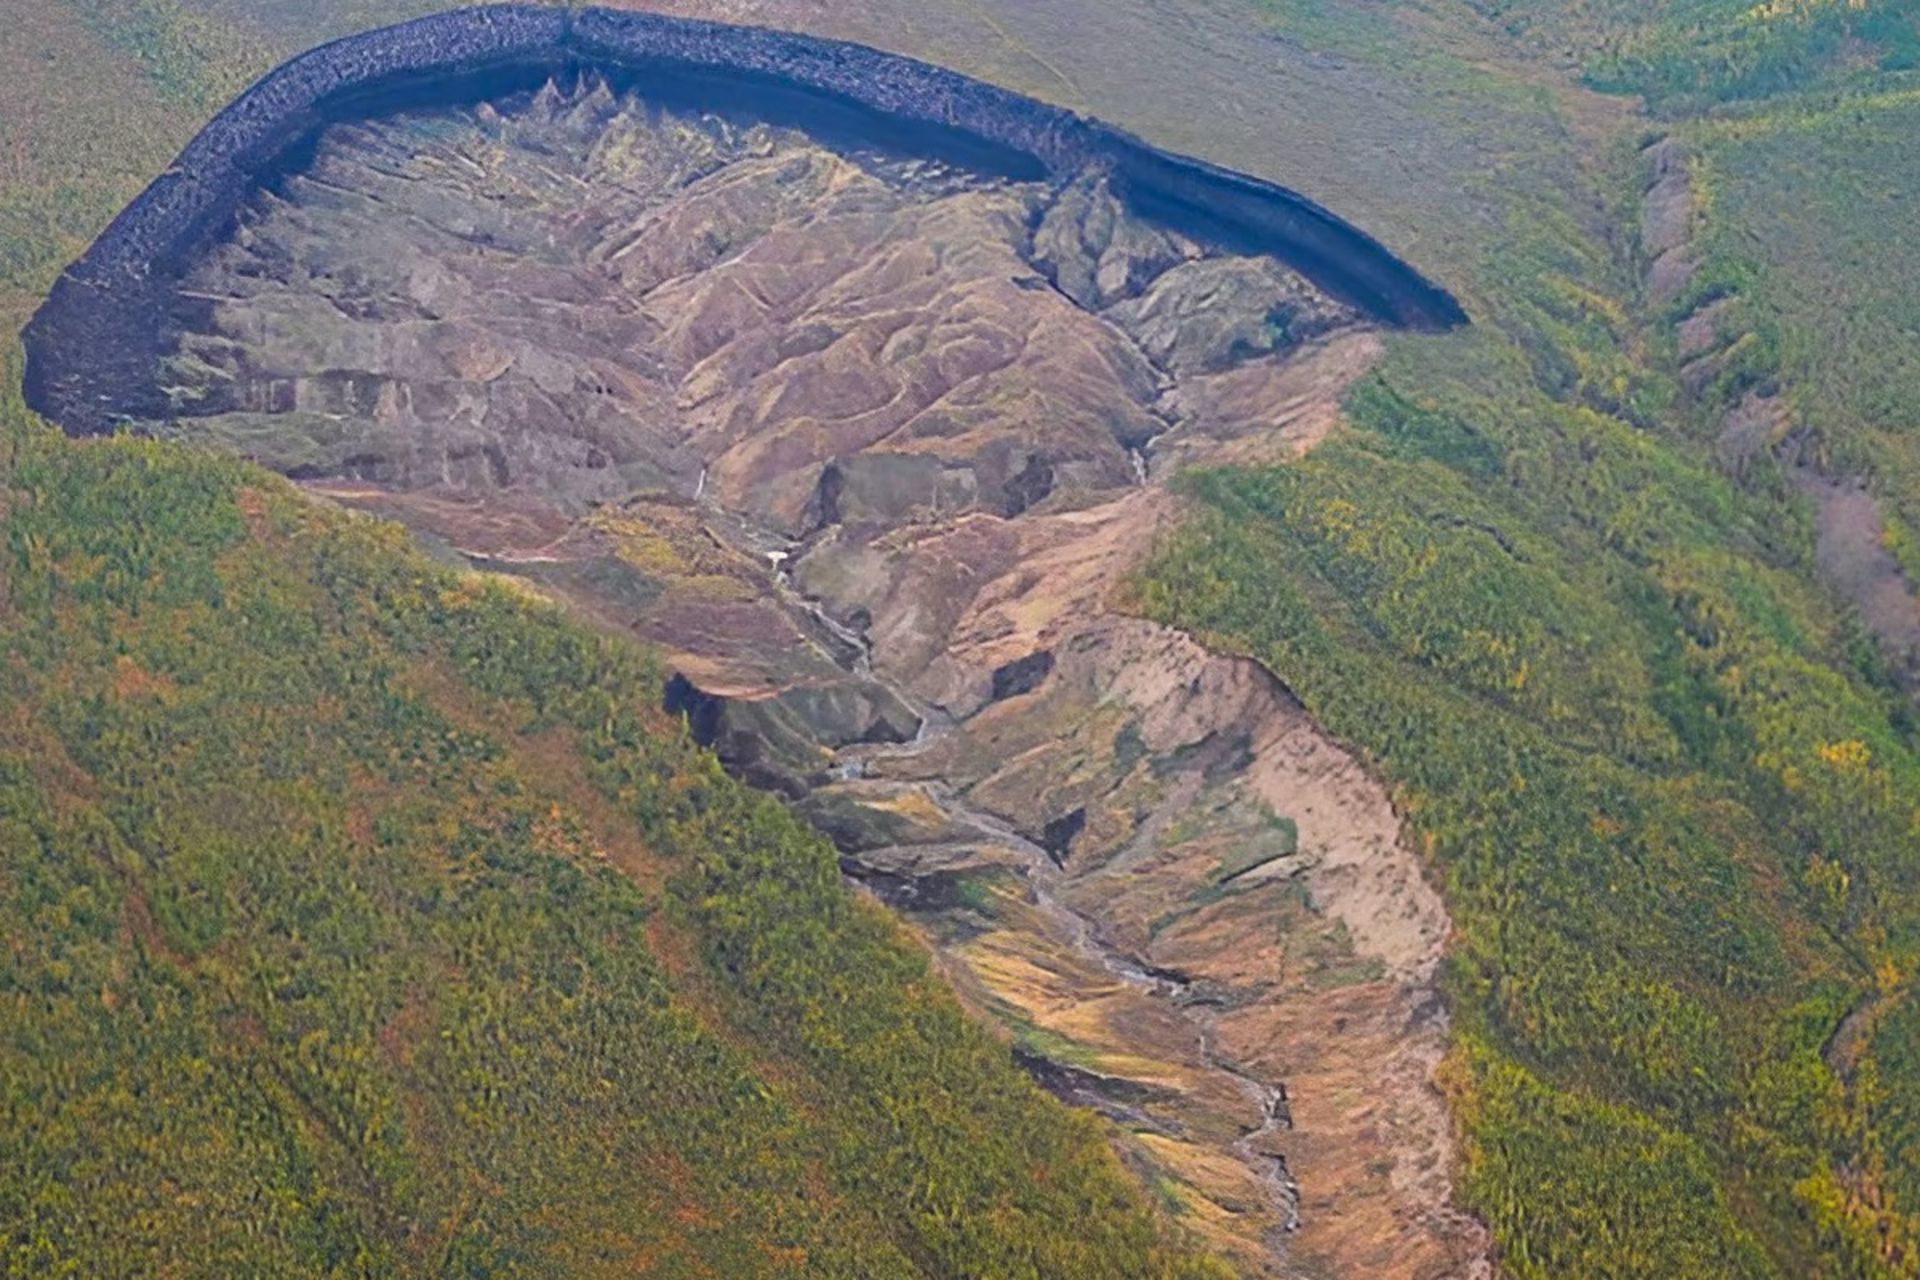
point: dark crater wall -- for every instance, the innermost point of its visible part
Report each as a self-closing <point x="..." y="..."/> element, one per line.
<point x="93" y="346"/>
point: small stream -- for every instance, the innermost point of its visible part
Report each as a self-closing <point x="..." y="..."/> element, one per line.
<point x="1081" y="934"/>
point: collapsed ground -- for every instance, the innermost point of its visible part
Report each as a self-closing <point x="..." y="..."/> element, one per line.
<point x="866" y="445"/>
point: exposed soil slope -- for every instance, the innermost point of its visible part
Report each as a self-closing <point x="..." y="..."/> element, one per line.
<point x="868" y="444"/>
<point x="87" y="346"/>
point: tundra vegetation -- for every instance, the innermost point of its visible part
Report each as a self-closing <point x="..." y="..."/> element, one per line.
<point x="1668" y="782"/>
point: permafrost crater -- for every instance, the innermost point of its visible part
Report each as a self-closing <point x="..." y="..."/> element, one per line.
<point x="853" y="385"/>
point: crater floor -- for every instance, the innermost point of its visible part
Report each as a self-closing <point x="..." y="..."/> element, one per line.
<point x="867" y="445"/>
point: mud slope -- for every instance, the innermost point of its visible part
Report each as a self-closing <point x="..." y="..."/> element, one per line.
<point x="867" y="441"/>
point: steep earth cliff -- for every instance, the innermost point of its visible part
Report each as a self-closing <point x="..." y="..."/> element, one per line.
<point x="88" y="345"/>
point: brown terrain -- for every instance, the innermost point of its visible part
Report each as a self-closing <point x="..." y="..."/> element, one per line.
<point x="868" y="447"/>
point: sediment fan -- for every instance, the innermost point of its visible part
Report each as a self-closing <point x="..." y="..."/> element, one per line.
<point x="93" y="346"/>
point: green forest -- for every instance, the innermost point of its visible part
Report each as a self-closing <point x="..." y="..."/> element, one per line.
<point x="366" y="919"/>
<point x="361" y="919"/>
<point x="1670" y="786"/>
<point x="1689" y="56"/>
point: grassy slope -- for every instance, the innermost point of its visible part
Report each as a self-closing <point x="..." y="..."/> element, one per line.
<point x="1674" y="804"/>
<point x="1808" y="217"/>
<point x="83" y="125"/>
<point x="1687" y="55"/>
<point x="364" y="920"/>
<point x="1808" y="220"/>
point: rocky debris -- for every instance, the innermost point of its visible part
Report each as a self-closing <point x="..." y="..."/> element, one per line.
<point x="1750" y="430"/>
<point x="1850" y="552"/>
<point x="1210" y="315"/>
<point x="1239" y="878"/>
<point x="1666" y="222"/>
<point x="1097" y="255"/>
<point x="782" y="741"/>
<point x="1709" y="339"/>
<point x="1699" y="333"/>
